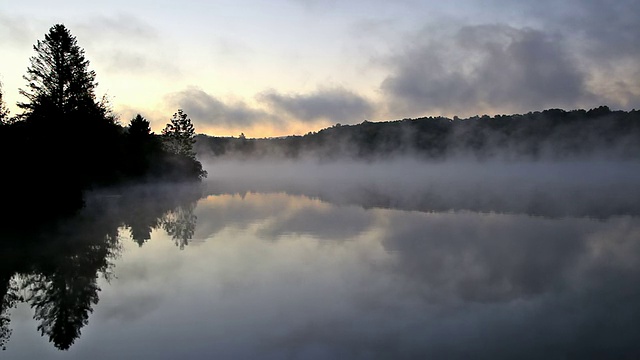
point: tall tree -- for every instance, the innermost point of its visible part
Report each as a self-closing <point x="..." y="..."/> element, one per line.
<point x="141" y="147"/>
<point x="76" y="134"/>
<point x="179" y="135"/>
<point x="139" y="128"/>
<point x="58" y="77"/>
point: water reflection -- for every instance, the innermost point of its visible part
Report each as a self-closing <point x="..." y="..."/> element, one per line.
<point x="597" y="189"/>
<point x="398" y="284"/>
<point x="55" y="267"/>
<point x="285" y="273"/>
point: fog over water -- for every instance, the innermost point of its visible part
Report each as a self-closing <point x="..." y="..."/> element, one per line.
<point x="381" y="260"/>
<point x="551" y="188"/>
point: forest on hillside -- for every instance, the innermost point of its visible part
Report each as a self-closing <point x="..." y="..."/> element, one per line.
<point x="550" y="134"/>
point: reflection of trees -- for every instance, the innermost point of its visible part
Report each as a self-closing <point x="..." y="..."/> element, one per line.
<point x="8" y="299"/>
<point x="180" y="224"/>
<point x="65" y="288"/>
<point x="62" y="304"/>
<point x="57" y="265"/>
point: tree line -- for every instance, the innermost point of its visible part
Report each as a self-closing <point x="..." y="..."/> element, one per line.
<point x="66" y="141"/>
<point x="550" y="134"/>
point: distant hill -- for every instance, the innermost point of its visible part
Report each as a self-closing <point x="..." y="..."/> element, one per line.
<point x="549" y="134"/>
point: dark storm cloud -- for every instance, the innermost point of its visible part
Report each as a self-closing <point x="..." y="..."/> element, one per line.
<point x="485" y="66"/>
<point x="205" y="109"/>
<point x="336" y="104"/>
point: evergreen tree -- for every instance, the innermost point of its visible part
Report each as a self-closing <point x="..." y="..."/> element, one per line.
<point x="58" y="78"/>
<point x="139" y="128"/>
<point x="76" y="135"/>
<point x="179" y="135"/>
<point x="142" y="147"/>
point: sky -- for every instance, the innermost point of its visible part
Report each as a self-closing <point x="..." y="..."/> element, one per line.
<point x="280" y="67"/>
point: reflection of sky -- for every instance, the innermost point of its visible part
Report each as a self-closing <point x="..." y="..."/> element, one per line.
<point x="280" y="276"/>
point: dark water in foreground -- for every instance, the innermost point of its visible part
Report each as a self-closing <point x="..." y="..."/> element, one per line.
<point x="358" y="268"/>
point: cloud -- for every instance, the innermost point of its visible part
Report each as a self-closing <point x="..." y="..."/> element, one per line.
<point x="606" y="37"/>
<point x="484" y="67"/>
<point x="206" y="109"/>
<point x="274" y="110"/>
<point x="336" y="104"/>
<point x="117" y="28"/>
<point x="142" y="51"/>
<point x="611" y="27"/>
<point x="601" y="35"/>
<point x="16" y="31"/>
<point x="607" y="29"/>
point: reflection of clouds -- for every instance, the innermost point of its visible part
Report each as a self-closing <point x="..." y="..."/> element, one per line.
<point x="278" y="215"/>
<point x="443" y="256"/>
<point x="219" y="212"/>
<point x="456" y="285"/>
<point x="452" y="285"/>
<point x="321" y="223"/>
<point x="485" y="257"/>
<point x="497" y="286"/>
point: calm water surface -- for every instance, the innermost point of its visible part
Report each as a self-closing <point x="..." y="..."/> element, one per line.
<point x="235" y="271"/>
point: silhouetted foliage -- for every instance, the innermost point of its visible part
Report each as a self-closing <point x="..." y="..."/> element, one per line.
<point x="59" y="81"/>
<point x="66" y="141"/>
<point x="178" y="139"/>
<point x="550" y="134"/>
<point x="141" y="146"/>
<point x="4" y="111"/>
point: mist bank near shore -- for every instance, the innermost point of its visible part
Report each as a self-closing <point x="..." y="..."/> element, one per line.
<point x="598" y="189"/>
<point x="552" y="134"/>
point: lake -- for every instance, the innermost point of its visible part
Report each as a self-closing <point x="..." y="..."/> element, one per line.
<point x="337" y="261"/>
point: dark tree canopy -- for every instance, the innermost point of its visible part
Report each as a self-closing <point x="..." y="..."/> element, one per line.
<point x="74" y="141"/>
<point x="552" y="134"/>
<point x="139" y="127"/>
<point x="58" y="77"/>
<point x="4" y="112"/>
<point x="141" y="146"/>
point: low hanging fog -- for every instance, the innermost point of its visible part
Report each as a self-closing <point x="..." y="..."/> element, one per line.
<point x="593" y="188"/>
<point x="550" y="163"/>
